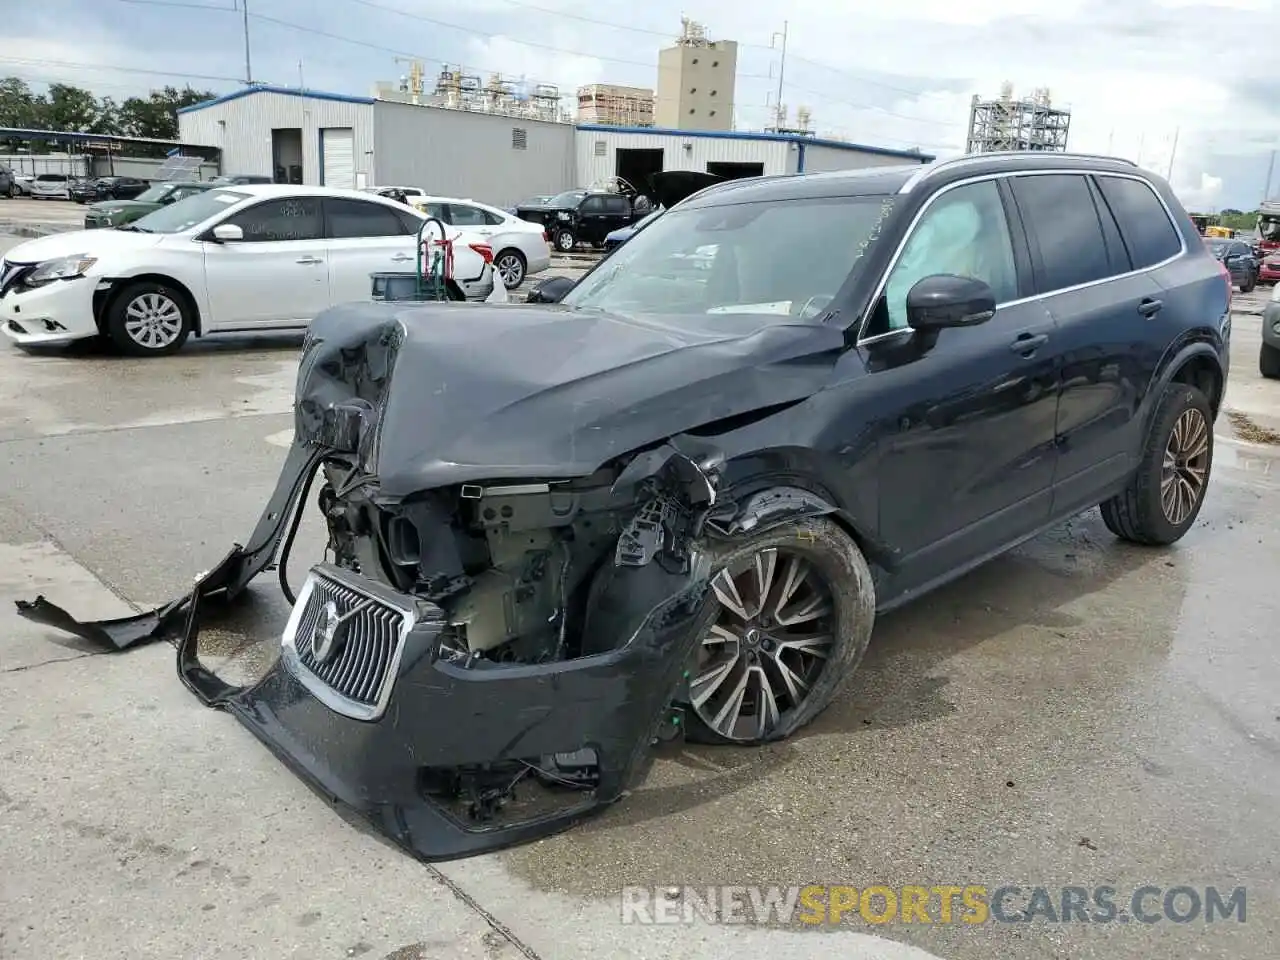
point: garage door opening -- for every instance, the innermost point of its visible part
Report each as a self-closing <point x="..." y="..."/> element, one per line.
<point x="286" y="155"/>
<point x="735" y="171"/>
<point x="338" y="158"/>
<point x="637" y="166"/>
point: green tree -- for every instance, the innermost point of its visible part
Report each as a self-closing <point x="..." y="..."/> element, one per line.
<point x="108" y="120"/>
<point x="71" y="108"/>
<point x="19" y="107"/>
<point x="156" y="116"/>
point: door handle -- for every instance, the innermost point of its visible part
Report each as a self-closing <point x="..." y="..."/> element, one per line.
<point x="401" y="258"/>
<point x="1149" y="307"/>
<point x="309" y="260"/>
<point x="1029" y="343"/>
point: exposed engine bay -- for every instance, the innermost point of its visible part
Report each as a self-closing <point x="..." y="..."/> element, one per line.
<point x="483" y="624"/>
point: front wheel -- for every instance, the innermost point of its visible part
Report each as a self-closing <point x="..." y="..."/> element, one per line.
<point x="149" y="320"/>
<point x="565" y="240"/>
<point x="1269" y="361"/>
<point x="1165" y="494"/>
<point x="1250" y="282"/>
<point x="511" y="267"/>
<point x="788" y="620"/>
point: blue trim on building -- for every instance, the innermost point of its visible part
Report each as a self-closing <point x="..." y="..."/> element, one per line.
<point x="283" y="91"/>
<point x="771" y="137"/>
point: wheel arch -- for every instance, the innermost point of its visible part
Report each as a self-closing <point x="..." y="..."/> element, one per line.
<point x="105" y="299"/>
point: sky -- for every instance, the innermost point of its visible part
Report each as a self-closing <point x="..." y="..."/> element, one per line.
<point x="1188" y="86"/>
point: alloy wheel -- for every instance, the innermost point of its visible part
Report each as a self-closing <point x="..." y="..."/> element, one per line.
<point x="153" y="321"/>
<point x="772" y="637"/>
<point x="511" y="270"/>
<point x="1186" y="466"/>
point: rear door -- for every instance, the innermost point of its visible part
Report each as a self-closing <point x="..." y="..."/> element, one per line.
<point x="1104" y="306"/>
<point x="364" y="238"/>
<point x="473" y="219"/>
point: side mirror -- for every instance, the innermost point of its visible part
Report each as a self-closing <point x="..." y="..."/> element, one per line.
<point x="225" y="232"/>
<point x="945" y="300"/>
<point x="551" y="290"/>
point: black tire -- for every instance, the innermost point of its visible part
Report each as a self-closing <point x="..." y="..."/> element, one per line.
<point x="1269" y="361"/>
<point x="519" y="266"/>
<point x="566" y="240"/>
<point x="155" y="297"/>
<point x="1249" y="284"/>
<point x="1139" y="513"/>
<point x="835" y="558"/>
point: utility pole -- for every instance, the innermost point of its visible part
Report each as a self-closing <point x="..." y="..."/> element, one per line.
<point x="248" y="66"/>
<point x="1271" y="167"/>
<point x="1173" y="153"/>
<point x="782" y="67"/>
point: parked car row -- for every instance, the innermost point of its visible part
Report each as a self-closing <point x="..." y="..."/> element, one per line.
<point x="234" y="258"/>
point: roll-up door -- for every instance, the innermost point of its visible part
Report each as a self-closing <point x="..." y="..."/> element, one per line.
<point x="338" y="154"/>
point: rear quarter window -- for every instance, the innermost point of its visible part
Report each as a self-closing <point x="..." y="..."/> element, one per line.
<point x="1148" y="233"/>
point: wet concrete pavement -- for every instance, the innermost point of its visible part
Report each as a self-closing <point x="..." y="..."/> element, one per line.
<point x="1079" y="712"/>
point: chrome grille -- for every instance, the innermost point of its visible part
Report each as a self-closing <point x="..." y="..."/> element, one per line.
<point x="365" y="637"/>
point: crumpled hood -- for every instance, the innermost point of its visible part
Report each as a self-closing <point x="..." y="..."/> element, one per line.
<point x="96" y="243"/>
<point x="460" y="392"/>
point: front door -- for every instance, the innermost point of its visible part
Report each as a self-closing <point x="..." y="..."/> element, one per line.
<point x="967" y="454"/>
<point x="367" y="238"/>
<point x="277" y="276"/>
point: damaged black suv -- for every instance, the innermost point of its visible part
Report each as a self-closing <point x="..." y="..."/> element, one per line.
<point x="678" y="499"/>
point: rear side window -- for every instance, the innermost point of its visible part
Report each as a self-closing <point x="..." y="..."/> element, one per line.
<point x="1059" y="210"/>
<point x="1148" y="232"/>
<point x="352" y="219"/>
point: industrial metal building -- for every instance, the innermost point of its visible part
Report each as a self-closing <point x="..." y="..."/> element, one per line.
<point x="306" y="136"/>
<point x="343" y="141"/>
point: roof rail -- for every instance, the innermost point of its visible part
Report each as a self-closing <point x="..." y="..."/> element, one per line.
<point x="929" y="170"/>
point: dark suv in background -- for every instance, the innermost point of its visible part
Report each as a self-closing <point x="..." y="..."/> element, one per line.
<point x="583" y="216"/>
<point x="1239" y="258"/>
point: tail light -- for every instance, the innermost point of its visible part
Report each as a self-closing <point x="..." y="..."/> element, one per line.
<point x="484" y="250"/>
<point x="546" y="237"/>
<point x="1226" y="277"/>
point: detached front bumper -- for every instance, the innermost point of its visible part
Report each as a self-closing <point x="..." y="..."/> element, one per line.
<point x="57" y="312"/>
<point x="366" y="705"/>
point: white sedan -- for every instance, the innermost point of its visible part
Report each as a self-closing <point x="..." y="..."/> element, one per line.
<point x="520" y="248"/>
<point x="232" y="259"/>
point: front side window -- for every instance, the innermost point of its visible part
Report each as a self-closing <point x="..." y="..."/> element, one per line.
<point x="279" y="221"/>
<point x="963" y="232"/>
<point x="1059" y="210"/>
<point x="771" y="258"/>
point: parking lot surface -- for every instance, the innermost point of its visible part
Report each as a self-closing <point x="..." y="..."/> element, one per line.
<point x="1080" y="712"/>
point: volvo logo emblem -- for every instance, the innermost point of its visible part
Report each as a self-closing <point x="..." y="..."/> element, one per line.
<point x="330" y="630"/>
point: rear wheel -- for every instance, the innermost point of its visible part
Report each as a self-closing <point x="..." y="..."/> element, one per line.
<point x="788" y="621"/>
<point x="510" y="266"/>
<point x="1165" y="494"/>
<point x="149" y="320"/>
<point x="565" y="240"/>
<point x="1250" y="282"/>
<point x="1269" y="361"/>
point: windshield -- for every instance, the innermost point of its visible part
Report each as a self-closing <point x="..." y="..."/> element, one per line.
<point x="186" y="213"/>
<point x="776" y="258"/>
<point x="570" y="198"/>
<point x="155" y="194"/>
<point x="1269" y="227"/>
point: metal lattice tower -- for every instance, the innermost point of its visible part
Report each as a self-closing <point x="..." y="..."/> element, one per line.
<point x="1007" y="124"/>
